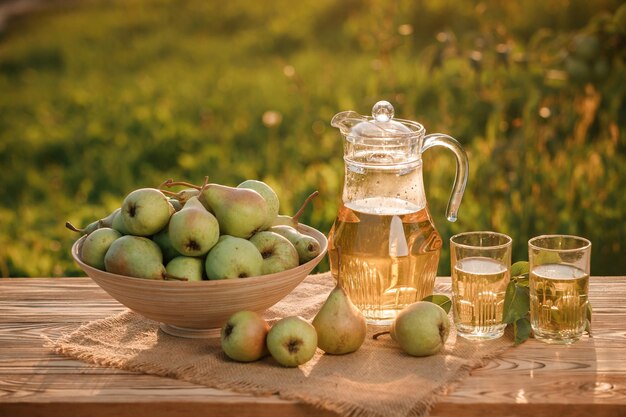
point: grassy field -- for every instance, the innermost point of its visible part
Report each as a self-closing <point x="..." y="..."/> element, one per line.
<point x="98" y="98"/>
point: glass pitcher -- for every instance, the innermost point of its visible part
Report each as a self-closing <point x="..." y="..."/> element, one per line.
<point x="383" y="244"/>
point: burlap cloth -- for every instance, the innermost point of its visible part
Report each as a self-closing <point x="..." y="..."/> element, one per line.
<point x="378" y="380"/>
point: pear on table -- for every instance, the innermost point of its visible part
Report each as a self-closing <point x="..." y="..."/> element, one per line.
<point x="243" y="336"/>
<point x="292" y="341"/>
<point x="340" y="326"/>
<point x="421" y="328"/>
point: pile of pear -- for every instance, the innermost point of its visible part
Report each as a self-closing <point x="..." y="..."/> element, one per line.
<point x="338" y="328"/>
<point x="208" y="232"/>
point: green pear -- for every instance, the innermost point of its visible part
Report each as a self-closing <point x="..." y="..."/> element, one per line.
<point x="233" y="257"/>
<point x="223" y="237"/>
<point x="103" y="222"/>
<point x="136" y="257"/>
<point x="421" y="329"/>
<point x="193" y="231"/>
<point x="175" y="203"/>
<point x="163" y="240"/>
<point x="186" y="267"/>
<point x="184" y="195"/>
<point x="340" y="326"/>
<point x="146" y="211"/>
<point x="118" y="223"/>
<point x="268" y="194"/>
<point x="306" y="246"/>
<point x="96" y="245"/>
<point x="108" y="220"/>
<point x="292" y="341"/>
<point x="243" y="336"/>
<point x="278" y="253"/>
<point x="241" y="212"/>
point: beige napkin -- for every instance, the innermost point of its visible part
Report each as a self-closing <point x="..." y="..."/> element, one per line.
<point x="378" y="380"/>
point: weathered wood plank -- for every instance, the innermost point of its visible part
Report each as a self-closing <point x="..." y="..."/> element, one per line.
<point x="587" y="378"/>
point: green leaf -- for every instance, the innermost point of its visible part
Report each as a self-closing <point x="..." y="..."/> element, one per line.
<point x="509" y="295"/>
<point x="548" y="257"/>
<point x="522" y="281"/>
<point x="441" y="300"/>
<point x="588" y="323"/>
<point x="516" y="302"/>
<point x="521" y="330"/>
<point x="520" y="268"/>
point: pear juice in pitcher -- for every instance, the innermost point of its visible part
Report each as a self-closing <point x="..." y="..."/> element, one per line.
<point x="383" y="245"/>
<point x="389" y="252"/>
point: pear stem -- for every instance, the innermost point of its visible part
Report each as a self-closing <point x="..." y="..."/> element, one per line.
<point x="206" y="183"/>
<point x="375" y="336"/>
<point x="169" y="193"/>
<point x="165" y="183"/>
<point x="296" y="216"/>
<point x="73" y="228"/>
<point x="169" y="184"/>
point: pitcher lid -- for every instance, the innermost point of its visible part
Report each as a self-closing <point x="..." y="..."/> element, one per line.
<point x="380" y="124"/>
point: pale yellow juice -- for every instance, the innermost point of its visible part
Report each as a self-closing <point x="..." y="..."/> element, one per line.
<point x="479" y="285"/>
<point x="558" y="302"/>
<point x="389" y="255"/>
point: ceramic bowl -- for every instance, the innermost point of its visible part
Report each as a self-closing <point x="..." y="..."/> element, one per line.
<point x="200" y="308"/>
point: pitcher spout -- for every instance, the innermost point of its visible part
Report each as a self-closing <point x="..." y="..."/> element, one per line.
<point x="346" y="120"/>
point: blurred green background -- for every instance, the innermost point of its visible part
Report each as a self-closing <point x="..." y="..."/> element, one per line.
<point x="98" y="98"/>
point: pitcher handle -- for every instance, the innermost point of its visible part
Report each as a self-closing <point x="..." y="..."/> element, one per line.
<point x="462" y="169"/>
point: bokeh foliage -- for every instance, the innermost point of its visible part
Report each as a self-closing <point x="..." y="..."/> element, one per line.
<point x="100" y="97"/>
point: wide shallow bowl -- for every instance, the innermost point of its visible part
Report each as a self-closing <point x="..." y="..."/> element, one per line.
<point x="200" y="308"/>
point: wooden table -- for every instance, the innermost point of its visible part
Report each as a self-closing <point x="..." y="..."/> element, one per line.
<point x="534" y="379"/>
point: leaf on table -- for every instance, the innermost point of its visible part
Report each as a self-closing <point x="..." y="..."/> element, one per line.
<point x="509" y="296"/>
<point x="520" y="268"/>
<point x="441" y="300"/>
<point x="516" y="303"/>
<point x="522" y="281"/>
<point x="521" y="330"/>
<point x="588" y="320"/>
